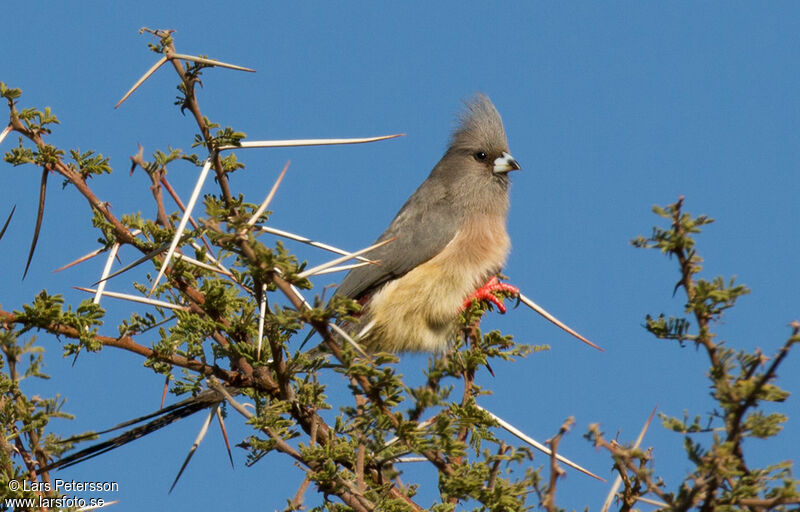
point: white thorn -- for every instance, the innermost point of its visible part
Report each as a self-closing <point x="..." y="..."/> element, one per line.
<point x="262" y="309"/>
<point x="305" y="142"/>
<point x="294" y="290"/>
<point x="211" y="62"/>
<point x="363" y="332"/>
<point x="160" y="62"/>
<point x="420" y="425"/>
<point x="95" y="507"/>
<point x="88" y="256"/>
<point x="5" y="133"/>
<point x="199" y="439"/>
<point x="348" y="339"/>
<point x="342" y="259"/>
<point x="83" y="258"/>
<point x="179" y="232"/>
<point x="652" y="502"/>
<point x="539" y="309"/>
<point x="302" y="239"/>
<point x="106" y="269"/>
<point x="342" y="268"/>
<point x="263" y="207"/>
<point x="211" y="258"/>
<point x="212" y="268"/>
<point x="136" y="298"/>
<point x="536" y="444"/>
<point x="238" y="406"/>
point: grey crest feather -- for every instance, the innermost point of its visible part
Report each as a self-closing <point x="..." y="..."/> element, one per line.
<point x="479" y="124"/>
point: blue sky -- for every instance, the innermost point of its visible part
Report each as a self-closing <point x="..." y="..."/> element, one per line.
<point x="609" y="109"/>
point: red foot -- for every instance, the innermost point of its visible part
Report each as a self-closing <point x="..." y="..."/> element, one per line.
<point x="487" y="291"/>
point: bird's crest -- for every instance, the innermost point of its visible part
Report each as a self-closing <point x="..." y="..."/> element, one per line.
<point x="479" y="126"/>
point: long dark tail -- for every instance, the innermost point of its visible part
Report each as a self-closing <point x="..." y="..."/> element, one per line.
<point x="163" y="417"/>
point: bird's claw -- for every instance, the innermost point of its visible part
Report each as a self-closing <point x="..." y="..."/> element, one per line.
<point x="487" y="292"/>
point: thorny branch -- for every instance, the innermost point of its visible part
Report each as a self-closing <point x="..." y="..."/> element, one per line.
<point x="367" y="480"/>
<point x="722" y="477"/>
<point x="242" y="373"/>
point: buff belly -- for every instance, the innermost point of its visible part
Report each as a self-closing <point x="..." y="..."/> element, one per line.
<point x="419" y="311"/>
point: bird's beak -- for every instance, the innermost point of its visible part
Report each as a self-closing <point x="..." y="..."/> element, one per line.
<point x="504" y="164"/>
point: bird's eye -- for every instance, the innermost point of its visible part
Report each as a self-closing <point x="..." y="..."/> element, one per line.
<point x="480" y="156"/>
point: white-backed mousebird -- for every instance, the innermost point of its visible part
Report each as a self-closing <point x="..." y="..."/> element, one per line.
<point x="450" y="242"/>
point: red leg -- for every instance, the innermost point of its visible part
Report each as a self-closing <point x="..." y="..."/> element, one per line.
<point x="487" y="291"/>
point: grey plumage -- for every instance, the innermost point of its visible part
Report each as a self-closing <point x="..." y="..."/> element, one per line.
<point x="450" y="233"/>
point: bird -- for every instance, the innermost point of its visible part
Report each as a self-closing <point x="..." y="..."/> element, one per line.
<point x="449" y="243"/>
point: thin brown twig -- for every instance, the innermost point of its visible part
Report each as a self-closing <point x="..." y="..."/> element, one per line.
<point x="468" y="376"/>
<point x="297" y="500"/>
<point x="549" y="502"/>
<point x="493" y="472"/>
<point x="128" y="343"/>
<point x="625" y="464"/>
<point x="361" y="403"/>
<point x="156" y="175"/>
<point x="734" y="434"/>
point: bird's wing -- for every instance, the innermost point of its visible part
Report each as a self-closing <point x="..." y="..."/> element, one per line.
<point x="422" y="228"/>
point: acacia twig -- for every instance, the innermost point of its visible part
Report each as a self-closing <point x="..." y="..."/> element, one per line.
<point x="549" y="502"/>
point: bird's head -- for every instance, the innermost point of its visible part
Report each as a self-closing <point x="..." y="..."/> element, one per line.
<point x="478" y="147"/>
<point x="478" y="157"/>
<point x="476" y="165"/>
